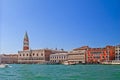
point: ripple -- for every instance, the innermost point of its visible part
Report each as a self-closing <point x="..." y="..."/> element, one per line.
<point x="60" y="72"/>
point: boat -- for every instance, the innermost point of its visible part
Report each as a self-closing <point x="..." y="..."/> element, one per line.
<point x="4" y="65"/>
<point x="114" y="62"/>
<point x="65" y="63"/>
<point x="69" y="63"/>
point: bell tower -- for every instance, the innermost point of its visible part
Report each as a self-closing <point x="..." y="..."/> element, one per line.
<point x="26" y="42"/>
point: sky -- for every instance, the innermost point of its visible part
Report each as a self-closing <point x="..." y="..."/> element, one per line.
<point x="58" y="24"/>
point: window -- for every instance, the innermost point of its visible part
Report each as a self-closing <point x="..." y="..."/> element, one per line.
<point x="23" y="54"/>
<point x="25" y="43"/>
<point x="33" y="54"/>
<point x="37" y="54"/>
<point x="20" y="54"/>
<point x="27" y="54"/>
<point x="41" y="54"/>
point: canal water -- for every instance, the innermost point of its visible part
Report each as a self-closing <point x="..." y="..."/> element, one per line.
<point x="60" y="72"/>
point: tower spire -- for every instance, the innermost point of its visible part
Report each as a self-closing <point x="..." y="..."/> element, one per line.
<point x="26" y="42"/>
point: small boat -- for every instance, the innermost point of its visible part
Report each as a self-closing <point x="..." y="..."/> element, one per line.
<point x="4" y="65"/>
<point x="68" y="63"/>
<point x="65" y="63"/>
<point x="114" y="62"/>
<point x="72" y="63"/>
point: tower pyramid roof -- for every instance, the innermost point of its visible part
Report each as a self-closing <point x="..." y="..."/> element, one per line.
<point x="26" y="35"/>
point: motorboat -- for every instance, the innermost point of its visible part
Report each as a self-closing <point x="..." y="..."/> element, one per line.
<point x="4" y="65"/>
<point x="114" y="62"/>
<point x="65" y="63"/>
<point x="68" y="63"/>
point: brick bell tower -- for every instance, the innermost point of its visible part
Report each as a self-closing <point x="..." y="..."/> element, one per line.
<point x="26" y="42"/>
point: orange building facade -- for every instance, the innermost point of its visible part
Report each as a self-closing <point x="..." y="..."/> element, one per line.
<point x="98" y="55"/>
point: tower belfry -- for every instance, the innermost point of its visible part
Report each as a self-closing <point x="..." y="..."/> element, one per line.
<point x="26" y="42"/>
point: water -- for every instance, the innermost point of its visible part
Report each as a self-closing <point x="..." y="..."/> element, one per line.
<point x="60" y="72"/>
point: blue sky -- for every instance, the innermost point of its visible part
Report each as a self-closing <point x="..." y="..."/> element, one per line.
<point x="64" y="24"/>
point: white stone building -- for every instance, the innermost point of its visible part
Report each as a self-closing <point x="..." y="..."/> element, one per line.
<point x="34" y="56"/>
<point x="117" y="52"/>
<point x="58" y="57"/>
<point x="77" y="56"/>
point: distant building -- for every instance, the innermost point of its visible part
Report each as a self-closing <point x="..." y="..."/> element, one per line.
<point x="117" y="52"/>
<point x="34" y="56"/>
<point x="81" y="48"/>
<point x="39" y="56"/>
<point x="77" y="55"/>
<point x="58" y="57"/>
<point x="26" y="42"/>
<point x="1" y="57"/>
<point x="98" y="55"/>
<point x="9" y="58"/>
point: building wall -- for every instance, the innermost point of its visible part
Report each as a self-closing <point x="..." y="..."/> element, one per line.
<point x="111" y="51"/>
<point x="31" y="56"/>
<point x="9" y="58"/>
<point x="47" y="55"/>
<point x="98" y="55"/>
<point x="58" y="57"/>
<point x="1" y="57"/>
<point x="77" y="56"/>
<point x="94" y="55"/>
<point x="117" y="52"/>
<point x="35" y="56"/>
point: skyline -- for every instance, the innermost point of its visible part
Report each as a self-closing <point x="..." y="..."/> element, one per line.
<point x="59" y="24"/>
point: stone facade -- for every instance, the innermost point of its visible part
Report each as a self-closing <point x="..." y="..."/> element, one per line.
<point x="38" y="56"/>
<point x="58" y="57"/>
<point x="117" y="52"/>
<point x="77" y="56"/>
<point x="34" y="56"/>
<point x="98" y="55"/>
<point x="9" y="58"/>
<point x="0" y="57"/>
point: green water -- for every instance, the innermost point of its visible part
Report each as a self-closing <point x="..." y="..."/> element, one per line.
<point x="60" y="72"/>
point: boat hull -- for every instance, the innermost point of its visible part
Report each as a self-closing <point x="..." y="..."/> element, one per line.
<point x="3" y="65"/>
